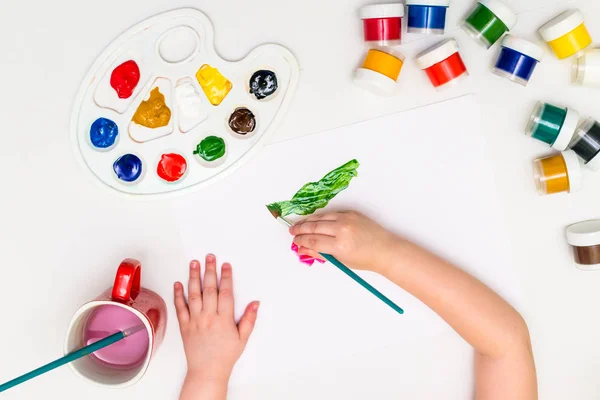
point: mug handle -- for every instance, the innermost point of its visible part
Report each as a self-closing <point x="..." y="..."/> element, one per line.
<point x="127" y="281"/>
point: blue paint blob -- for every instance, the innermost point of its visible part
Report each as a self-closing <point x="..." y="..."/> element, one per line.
<point x="128" y="167"/>
<point x="426" y="19"/>
<point x="517" y="65"/>
<point x="103" y="133"/>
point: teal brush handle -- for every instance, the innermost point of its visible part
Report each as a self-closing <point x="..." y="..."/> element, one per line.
<point x="361" y="282"/>
<point x="100" y="344"/>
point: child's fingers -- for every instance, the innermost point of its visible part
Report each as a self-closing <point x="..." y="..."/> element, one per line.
<point x="322" y="217"/>
<point x="183" y="314"/>
<point x="195" y="288"/>
<point x="317" y="243"/>
<point x="209" y="290"/>
<point x="329" y="228"/>
<point x="225" y="306"/>
<point x="303" y="251"/>
<point x="246" y="324"/>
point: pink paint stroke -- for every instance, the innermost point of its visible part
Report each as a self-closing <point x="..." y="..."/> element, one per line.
<point x="305" y="259"/>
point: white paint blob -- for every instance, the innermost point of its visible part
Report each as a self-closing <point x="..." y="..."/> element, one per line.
<point x="178" y="44"/>
<point x="190" y="109"/>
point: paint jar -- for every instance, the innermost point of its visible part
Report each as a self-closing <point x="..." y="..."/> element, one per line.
<point x="584" y="237"/>
<point x="427" y="16"/>
<point x="558" y="173"/>
<point x="443" y="64"/>
<point x="380" y="70"/>
<point x="586" y="68"/>
<point x="553" y="125"/>
<point x="382" y="23"/>
<point x="489" y="21"/>
<point x="586" y="143"/>
<point x="518" y="59"/>
<point x="566" y="34"/>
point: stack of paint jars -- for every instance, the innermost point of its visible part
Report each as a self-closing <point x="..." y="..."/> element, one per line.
<point x="382" y="24"/>
<point x="559" y="128"/>
<point x="568" y="36"/>
<point x="489" y="22"/>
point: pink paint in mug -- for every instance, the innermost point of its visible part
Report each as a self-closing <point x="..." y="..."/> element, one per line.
<point x="108" y="319"/>
<point x="124" y="305"/>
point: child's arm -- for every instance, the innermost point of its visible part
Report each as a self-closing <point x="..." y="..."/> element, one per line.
<point x="211" y="339"/>
<point x="504" y="362"/>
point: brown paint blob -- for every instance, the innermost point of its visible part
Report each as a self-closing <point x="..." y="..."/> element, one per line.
<point x="153" y="113"/>
<point x="242" y="121"/>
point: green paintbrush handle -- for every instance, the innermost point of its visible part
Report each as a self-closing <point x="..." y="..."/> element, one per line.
<point x="100" y="344"/>
<point x="361" y="282"/>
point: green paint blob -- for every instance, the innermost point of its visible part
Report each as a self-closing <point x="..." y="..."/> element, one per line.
<point x="546" y="122"/>
<point x="484" y="26"/>
<point x="210" y="148"/>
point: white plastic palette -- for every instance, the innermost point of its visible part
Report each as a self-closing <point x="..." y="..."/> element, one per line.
<point x="171" y="47"/>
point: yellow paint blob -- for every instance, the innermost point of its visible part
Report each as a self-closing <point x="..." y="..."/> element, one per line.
<point x="571" y="43"/>
<point x="213" y="83"/>
<point x="153" y="113"/>
<point x="384" y="63"/>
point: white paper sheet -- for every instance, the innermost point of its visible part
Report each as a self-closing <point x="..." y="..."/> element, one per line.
<point x="415" y="177"/>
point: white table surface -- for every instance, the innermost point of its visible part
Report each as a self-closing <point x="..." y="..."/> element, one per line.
<point x="52" y="229"/>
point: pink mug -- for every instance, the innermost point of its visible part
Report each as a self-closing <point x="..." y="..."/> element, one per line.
<point x="128" y="303"/>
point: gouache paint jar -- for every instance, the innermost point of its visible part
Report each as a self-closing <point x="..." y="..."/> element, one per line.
<point x="518" y="59"/>
<point x="558" y="173"/>
<point x="443" y="64"/>
<point x="553" y="125"/>
<point x="586" y="68"/>
<point x="584" y="237"/>
<point x="566" y="34"/>
<point x="586" y="143"/>
<point x="489" y="21"/>
<point x="427" y="16"/>
<point x="380" y="70"/>
<point x="382" y="23"/>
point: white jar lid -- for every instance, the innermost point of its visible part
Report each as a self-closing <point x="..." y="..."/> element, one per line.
<point x="561" y="25"/>
<point x="375" y="82"/>
<point x="382" y="11"/>
<point x="501" y="11"/>
<point x="567" y="131"/>
<point x="434" y="3"/>
<point x="584" y="234"/>
<point x="523" y="46"/>
<point x="573" y="170"/>
<point x="437" y="53"/>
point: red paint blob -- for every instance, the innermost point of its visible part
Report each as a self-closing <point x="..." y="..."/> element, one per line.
<point x="125" y="78"/>
<point x="382" y="29"/>
<point x="171" y="167"/>
<point x="447" y="70"/>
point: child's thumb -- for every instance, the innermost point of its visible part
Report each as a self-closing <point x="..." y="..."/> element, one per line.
<point x="246" y="324"/>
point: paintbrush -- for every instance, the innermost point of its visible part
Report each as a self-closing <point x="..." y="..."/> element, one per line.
<point x="84" y="351"/>
<point x="345" y="269"/>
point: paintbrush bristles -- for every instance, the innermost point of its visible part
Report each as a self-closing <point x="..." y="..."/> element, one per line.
<point x="274" y="212"/>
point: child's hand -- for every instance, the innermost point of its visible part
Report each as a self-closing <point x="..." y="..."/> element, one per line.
<point x="349" y="236"/>
<point x="212" y="341"/>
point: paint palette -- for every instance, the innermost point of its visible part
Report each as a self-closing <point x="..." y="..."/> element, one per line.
<point x="160" y="112"/>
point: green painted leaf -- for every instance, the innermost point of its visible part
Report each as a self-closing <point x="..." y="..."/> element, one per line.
<point x="316" y="195"/>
